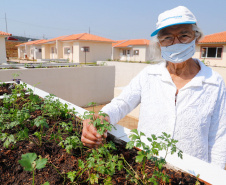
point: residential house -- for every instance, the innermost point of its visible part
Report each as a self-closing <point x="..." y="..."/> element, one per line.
<point x="30" y="50"/>
<point x="78" y="48"/>
<point x="131" y="50"/>
<point x="3" y="35"/>
<point x="86" y="48"/>
<point x="212" y="49"/>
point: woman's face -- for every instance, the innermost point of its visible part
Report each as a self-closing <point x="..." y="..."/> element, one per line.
<point x="171" y="35"/>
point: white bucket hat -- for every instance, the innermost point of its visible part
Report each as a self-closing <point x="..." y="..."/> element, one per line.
<point x="178" y="15"/>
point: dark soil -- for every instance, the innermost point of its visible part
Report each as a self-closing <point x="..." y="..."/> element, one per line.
<point x="6" y="88"/>
<point x="60" y="162"/>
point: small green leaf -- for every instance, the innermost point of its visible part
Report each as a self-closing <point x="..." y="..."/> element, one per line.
<point x="139" y="158"/>
<point x="27" y="160"/>
<point x="94" y="178"/>
<point x="41" y="163"/>
<point x="46" y="183"/>
<point x="71" y="175"/>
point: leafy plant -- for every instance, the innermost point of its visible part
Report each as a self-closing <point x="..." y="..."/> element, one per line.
<point x="102" y="161"/>
<point x="71" y="142"/>
<point x="40" y="122"/>
<point x="29" y="162"/>
<point x="149" y="152"/>
<point x="99" y="122"/>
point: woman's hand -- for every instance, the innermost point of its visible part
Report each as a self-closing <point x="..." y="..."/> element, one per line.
<point x="90" y="137"/>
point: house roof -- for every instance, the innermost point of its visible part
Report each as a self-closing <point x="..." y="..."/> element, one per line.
<point x="118" y="42"/>
<point x="31" y="42"/>
<point x="86" y="37"/>
<point x="5" y="34"/>
<point x="214" y="38"/>
<point x="133" y="42"/>
<point x="52" y="40"/>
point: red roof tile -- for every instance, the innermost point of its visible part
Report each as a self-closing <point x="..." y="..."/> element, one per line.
<point x="5" y="34"/>
<point x="118" y="42"/>
<point x="214" y="38"/>
<point x="134" y="42"/>
<point x="31" y="42"/>
<point x="53" y="39"/>
<point x="86" y="37"/>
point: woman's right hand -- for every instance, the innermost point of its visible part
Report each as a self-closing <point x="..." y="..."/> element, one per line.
<point x="90" y="137"/>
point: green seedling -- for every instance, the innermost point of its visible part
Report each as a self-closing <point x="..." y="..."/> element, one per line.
<point x="197" y="180"/>
<point x="41" y="123"/>
<point x="102" y="161"/>
<point x="29" y="162"/>
<point x="149" y="152"/>
<point x="8" y="139"/>
<point x="99" y="121"/>
<point x="71" y="142"/>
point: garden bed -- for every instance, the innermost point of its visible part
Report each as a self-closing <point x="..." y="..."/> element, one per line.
<point x="6" y="88"/>
<point x="52" y="129"/>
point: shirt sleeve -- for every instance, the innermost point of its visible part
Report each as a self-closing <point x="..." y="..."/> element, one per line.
<point x="217" y="132"/>
<point x="129" y="99"/>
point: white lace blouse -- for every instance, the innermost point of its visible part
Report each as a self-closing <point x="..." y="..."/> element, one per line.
<point x="197" y="120"/>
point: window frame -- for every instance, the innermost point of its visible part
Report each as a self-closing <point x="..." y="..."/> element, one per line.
<point x="216" y="51"/>
<point x="67" y="49"/>
<point x="86" y="49"/>
<point x="124" y="51"/>
<point x="136" y="52"/>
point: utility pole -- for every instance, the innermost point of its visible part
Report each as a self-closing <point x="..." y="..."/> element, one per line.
<point x="6" y="24"/>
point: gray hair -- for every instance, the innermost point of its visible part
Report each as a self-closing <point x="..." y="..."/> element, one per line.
<point x="154" y="53"/>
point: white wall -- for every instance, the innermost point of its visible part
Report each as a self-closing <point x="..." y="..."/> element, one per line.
<point x="79" y="85"/>
<point x="142" y="53"/>
<point x="2" y="50"/>
<point x="124" y="72"/>
<point x="38" y="55"/>
<point x="98" y="51"/>
<point x="69" y="56"/>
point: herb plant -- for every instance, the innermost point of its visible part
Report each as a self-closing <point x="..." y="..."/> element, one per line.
<point x="151" y="151"/>
<point x="29" y="162"/>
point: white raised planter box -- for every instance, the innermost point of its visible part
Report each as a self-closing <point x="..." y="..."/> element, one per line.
<point x="194" y="166"/>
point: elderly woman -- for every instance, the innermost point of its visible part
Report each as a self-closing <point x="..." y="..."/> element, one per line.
<point x="180" y="96"/>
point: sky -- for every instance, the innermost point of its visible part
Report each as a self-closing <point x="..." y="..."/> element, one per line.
<point x="113" y="19"/>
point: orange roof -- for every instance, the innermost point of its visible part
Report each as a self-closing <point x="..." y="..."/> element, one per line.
<point x="52" y="40"/>
<point x="86" y="37"/>
<point x="134" y="42"/>
<point x="118" y="42"/>
<point x="214" y="38"/>
<point x="31" y="42"/>
<point x="4" y="33"/>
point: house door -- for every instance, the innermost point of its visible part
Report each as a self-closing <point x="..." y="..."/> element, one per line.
<point x="52" y="55"/>
<point x="128" y="55"/>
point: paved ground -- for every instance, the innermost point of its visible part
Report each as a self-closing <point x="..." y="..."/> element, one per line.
<point x="127" y="121"/>
<point x="22" y="61"/>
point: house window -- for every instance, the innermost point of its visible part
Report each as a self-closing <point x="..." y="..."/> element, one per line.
<point x="86" y="49"/>
<point x="123" y="52"/>
<point x="135" y="52"/>
<point x="128" y="52"/>
<point x="53" y="50"/>
<point x="211" y="52"/>
<point x="39" y="50"/>
<point x="67" y="50"/>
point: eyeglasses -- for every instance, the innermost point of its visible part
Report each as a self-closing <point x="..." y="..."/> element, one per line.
<point x="167" y="40"/>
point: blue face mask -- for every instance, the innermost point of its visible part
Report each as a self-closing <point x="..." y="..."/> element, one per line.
<point x="178" y="53"/>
